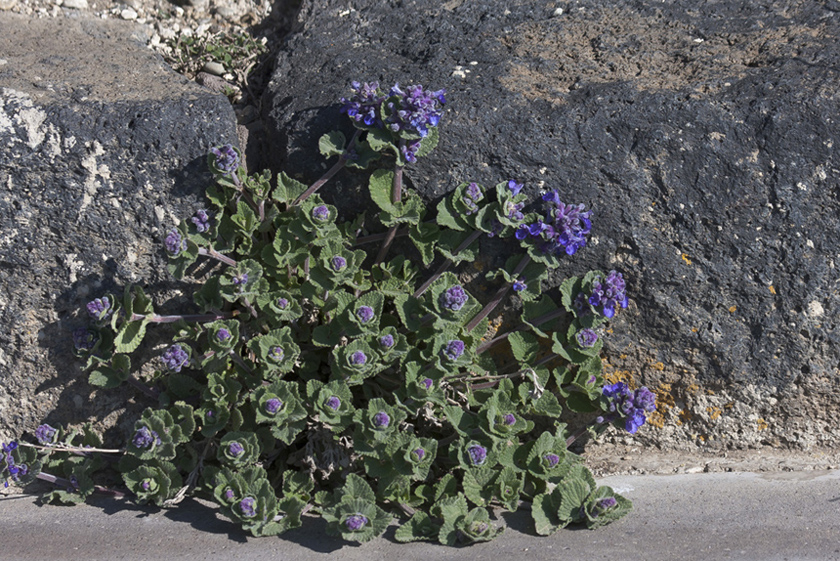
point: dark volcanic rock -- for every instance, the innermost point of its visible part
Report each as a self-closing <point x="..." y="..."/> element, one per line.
<point x="703" y="135"/>
<point x="103" y="150"/>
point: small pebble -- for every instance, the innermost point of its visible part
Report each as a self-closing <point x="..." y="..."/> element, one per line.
<point x="128" y="14"/>
<point x="213" y="67"/>
<point x="76" y="4"/>
<point x="7" y="4"/>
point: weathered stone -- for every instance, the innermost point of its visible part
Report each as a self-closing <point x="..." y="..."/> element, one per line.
<point x="703" y="135"/>
<point x="104" y="148"/>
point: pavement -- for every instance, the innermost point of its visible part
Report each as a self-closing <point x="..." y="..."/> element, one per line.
<point x="772" y="516"/>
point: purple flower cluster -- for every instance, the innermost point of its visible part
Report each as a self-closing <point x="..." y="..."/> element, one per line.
<point x="84" y="339"/>
<point x="240" y="280"/>
<point x="381" y="420"/>
<point x="454" y="349"/>
<point x="566" y="234"/>
<point x="416" y="110"/>
<point x="365" y="314"/>
<point x="386" y="341"/>
<point x="276" y="354"/>
<point x="282" y="303"/>
<point x="454" y="298"/>
<point x="471" y="198"/>
<point x="144" y="438"/>
<point x="174" y="243"/>
<point x="356" y="522"/>
<point x="477" y="454"/>
<point x="235" y="449"/>
<point x="363" y="105"/>
<point x="226" y="159"/>
<point x="519" y="286"/>
<point x="175" y="358"/>
<point x="201" y="219"/>
<point x="16" y="471"/>
<point x="586" y="338"/>
<point x="632" y="405"/>
<point x="418" y="454"/>
<point x="409" y="151"/>
<point x="320" y="213"/>
<point x="333" y="403"/>
<point x="509" y="419"/>
<point x="222" y="335"/>
<point x="273" y="405"/>
<point x="358" y="358"/>
<point x="99" y="308"/>
<point x="609" y="293"/>
<point x="551" y="459"/>
<point x="427" y="383"/>
<point x="338" y="263"/>
<point x="45" y="434"/>
<point x="248" y="507"/>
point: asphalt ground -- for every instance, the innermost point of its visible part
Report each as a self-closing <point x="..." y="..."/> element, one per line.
<point x="718" y="516"/>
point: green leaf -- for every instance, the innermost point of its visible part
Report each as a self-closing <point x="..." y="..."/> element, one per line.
<point x="477" y="485"/>
<point x="429" y="142"/>
<point x="332" y="144"/>
<point x="524" y="346"/>
<point x="420" y="527"/>
<point x="130" y="336"/>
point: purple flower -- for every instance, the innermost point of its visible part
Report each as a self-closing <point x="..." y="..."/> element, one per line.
<point x="381" y="420"/>
<point x="409" y="151"/>
<point x="222" y="335"/>
<point x="418" y="454"/>
<point x="235" y="449"/>
<point x="175" y="358"/>
<point x="645" y="399"/>
<point x="509" y="419"/>
<point x="100" y="308"/>
<point x="551" y="459"/>
<point x="276" y="354"/>
<point x="146" y="484"/>
<point x="386" y="341"/>
<point x="333" y="403"/>
<point x="630" y="405"/>
<point x="454" y="349"/>
<point x="84" y="339"/>
<point x="226" y="159"/>
<point x="174" y="243"/>
<point x="363" y="105"/>
<point x="454" y="298"/>
<point x="477" y="528"/>
<point x="604" y="505"/>
<point x="45" y="434"/>
<point x="427" y="383"/>
<point x="144" y="438"/>
<point x="356" y="522"/>
<point x="609" y="293"/>
<point x="338" y="263"/>
<point x="364" y="313"/>
<point x="248" y="507"/>
<point x="519" y="286"/>
<point x="415" y="110"/>
<point x="471" y="197"/>
<point x="241" y="279"/>
<point x="515" y="187"/>
<point x="320" y="213"/>
<point x="513" y="211"/>
<point x="358" y="358"/>
<point x="229" y="494"/>
<point x="15" y="470"/>
<point x="586" y="338"/>
<point x="273" y="405"/>
<point x="282" y="303"/>
<point x="201" y="219"/>
<point x="477" y="454"/>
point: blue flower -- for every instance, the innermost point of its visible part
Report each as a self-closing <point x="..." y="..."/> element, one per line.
<point x="201" y="219"/>
<point x="363" y="105"/>
<point x="515" y="187"/>
<point x="645" y="400"/>
<point x="333" y="403"/>
<point x="454" y="298"/>
<point x="418" y="454"/>
<point x="84" y="339"/>
<point x="45" y="434"/>
<point x="16" y="471"/>
<point x="386" y="341"/>
<point x="630" y="405"/>
<point x="381" y="420"/>
<point x="282" y="303"/>
<point x="99" y="308"/>
<point x="174" y="243"/>
<point x="364" y="313"/>
<point x="519" y="286"/>
<point x="586" y="338"/>
<point x="609" y="293"/>
<point x="241" y="279"/>
<point x="471" y="197"/>
<point x="551" y="459"/>
<point x="477" y="454"/>
<point x="358" y="358"/>
<point x="145" y="438"/>
<point x="338" y="263"/>
<point x="356" y="522"/>
<point x="222" y="335"/>
<point x="235" y="449"/>
<point x="320" y="213"/>
<point x="415" y="110"/>
<point x="410" y="150"/>
<point x="175" y="358"/>
<point x="226" y="159"/>
<point x="273" y="405"/>
<point x="454" y="349"/>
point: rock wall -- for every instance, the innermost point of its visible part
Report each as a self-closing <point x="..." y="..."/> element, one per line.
<point x="701" y="132"/>
<point x="104" y="149"/>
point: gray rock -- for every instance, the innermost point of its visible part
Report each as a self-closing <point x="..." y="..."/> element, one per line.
<point x="104" y="148"/>
<point x="703" y="136"/>
<point x="75" y="4"/>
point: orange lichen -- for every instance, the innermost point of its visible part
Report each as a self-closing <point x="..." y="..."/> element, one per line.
<point x="761" y="424"/>
<point x="772" y="289"/>
<point x="732" y="309"/>
<point x="658" y="366"/>
<point x="714" y="413"/>
<point x="686" y="259"/>
<point x="664" y="402"/>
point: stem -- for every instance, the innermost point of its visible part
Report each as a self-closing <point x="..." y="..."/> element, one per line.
<point x="73" y="449"/>
<point x="445" y="265"/>
<point x="378" y="237"/>
<point x="497" y="298"/>
<point x="66" y="483"/>
<point x="154" y="318"/>
<point x="342" y="161"/>
<point x="396" y="197"/>
<point x="216" y="255"/>
<point x="536" y="321"/>
<point x="151" y="392"/>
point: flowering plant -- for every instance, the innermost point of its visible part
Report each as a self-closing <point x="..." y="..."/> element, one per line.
<point x="315" y="376"/>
